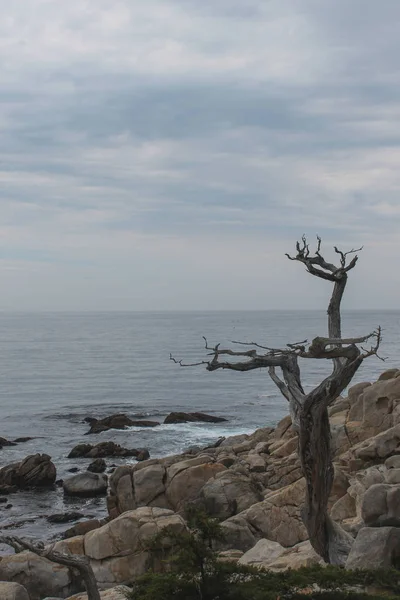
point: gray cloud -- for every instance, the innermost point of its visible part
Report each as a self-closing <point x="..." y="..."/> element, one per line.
<point x="148" y="139"/>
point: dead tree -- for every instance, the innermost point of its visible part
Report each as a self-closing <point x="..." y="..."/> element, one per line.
<point x="80" y="563"/>
<point x="309" y="411"/>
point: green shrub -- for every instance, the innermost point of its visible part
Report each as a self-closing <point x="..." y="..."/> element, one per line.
<point x="192" y="572"/>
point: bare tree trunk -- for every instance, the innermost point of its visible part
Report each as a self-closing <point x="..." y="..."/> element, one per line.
<point x="309" y="412"/>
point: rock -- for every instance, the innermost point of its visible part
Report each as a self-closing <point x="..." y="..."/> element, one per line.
<point x="38" y="575"/>
<point x="393" y="462"/>
<point x="80" y="450"/>
<point x="148" y="484"/>
<point x="8" y="489"/>
<point x="393" y="476"/>
<point x="186" y="480"/>
<point x="344" y="508"/>
<point x="234" y="440"/>
<point x="229" y="493"/>
<point x="3" y="500"/>
<point x="12" y="591"/>
<point x="381" y="505"/>
<point x="278" y="517"/>
<point x="64" y="517"/>
<point x="374" y="548"/>
<point x="118" y="550"/>
<point x="73" y="545"/>
<point x="256" y="463"/>
<point x="230" y="556"/>
<point x="4" y="442"/>
<point x="107" y="450"/>
<point x="116" y="593"/>
<point x="119" y="421"/>
<point x="238" y="534"/>
<point x="34" y="471"/>
<point x="389" y="374"/>
<point x="262" y="554"/>
<point x="375" y="449"/>
<point x="195" y="417"/>
<point x="301" y="555"/>
<point x="86" y="485"/>
<point x="22" y="440"/>
<point x="377" y="409"/>
<point x="79" y="529"/>
<point x="97" y="466"/>
<point x="73" y="470"/>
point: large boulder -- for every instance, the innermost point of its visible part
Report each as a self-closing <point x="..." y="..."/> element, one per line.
<point x="374" y="408"/>
<point x="381" y="505"/>
<point x="39" y="576"/>
<point x="119" y="550"/>
<point x="229" y="493"/>
<point x="119" y="421"/>
<point x="35" y="470"/>
<point x="165" y="483"/>
<point x="12" y="591"/>
<point x="300" y="555"/>
<point x="195" y="417"/>
<point x="86" y="485"/>
<point x="276" y="518"/>
<point x="262" y="554"/>
<point x="186" y="479"/>
<point x="374" y="548"/>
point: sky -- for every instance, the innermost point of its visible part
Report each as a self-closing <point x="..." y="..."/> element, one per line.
<point x="164" y="155"/>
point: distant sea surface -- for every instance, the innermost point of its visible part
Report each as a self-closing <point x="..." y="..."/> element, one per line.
<point x="58" y="368"/>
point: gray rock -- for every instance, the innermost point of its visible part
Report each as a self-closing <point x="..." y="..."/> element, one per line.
<point x="262" y="554"/>
<point x="381" y="505"/>
<point x="35" y="470"/>
<point x="38" y="575"/>
<point x="97" y="466"/>
<point x="12" y="591"/>
<point x="228" y="494"/>
<point x="375" y="547"/>
<point x="86" y="485"/>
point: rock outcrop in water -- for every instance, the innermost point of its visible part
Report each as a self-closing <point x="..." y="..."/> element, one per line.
<point x="118" y="421"/>
<point x="107" y="450"/>
<point x="195" y="417"/>
<point x="36" y="470"/>
<point x="254" y="485"/>
<point x="86" y="485"/>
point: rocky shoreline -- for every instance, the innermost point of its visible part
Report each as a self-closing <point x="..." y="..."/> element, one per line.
<point x="253" y="485"/>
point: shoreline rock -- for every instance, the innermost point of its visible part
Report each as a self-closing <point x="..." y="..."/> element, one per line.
<point x="35" y="470"/>
<point x="118" y="421"/>
<point x="107" y="450"/>
<point x="86" y="485"/>
<point x="194" y="417"/>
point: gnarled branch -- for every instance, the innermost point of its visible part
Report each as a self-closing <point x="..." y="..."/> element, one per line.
<point x="80" y="563"/>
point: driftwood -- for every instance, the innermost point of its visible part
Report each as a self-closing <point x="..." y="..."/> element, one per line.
<point x="80" y="563"/>
<point x="309" y="411"/>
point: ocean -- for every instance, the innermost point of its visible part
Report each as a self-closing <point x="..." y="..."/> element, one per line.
<point x="58" y="368"/>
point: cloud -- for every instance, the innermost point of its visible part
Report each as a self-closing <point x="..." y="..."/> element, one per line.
<point x="140" y="141"/>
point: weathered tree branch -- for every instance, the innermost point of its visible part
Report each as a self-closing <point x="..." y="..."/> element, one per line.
<point x="80" y="563"/>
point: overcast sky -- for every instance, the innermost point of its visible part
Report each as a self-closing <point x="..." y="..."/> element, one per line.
<point x="165" y="154"/>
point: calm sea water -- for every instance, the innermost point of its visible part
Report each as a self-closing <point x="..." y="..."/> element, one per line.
<point x="57" y="368"/>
